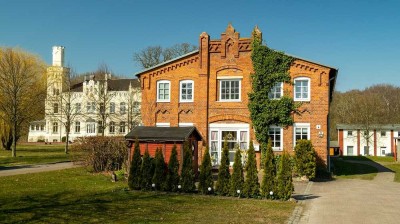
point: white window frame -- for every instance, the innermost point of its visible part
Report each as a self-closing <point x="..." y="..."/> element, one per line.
<point x="220" y="127"/>
<point x="280" y="139"/>
<point x="230" y="80"/>
<point x="112" y="108"/>
<point x="158" y="90"/>
<point x="122" y="108"/>
<point x="350" y="133"/>
<point x="163" y="125"/>
<point x="272" y="94"/>
<point x="308" y="98"/>
<point x="181" y="88"/>
<point x="111" y="128"/>
<point x="77" y="127"/>
<point x="55" y="127"/>
<point x="347" y="150"/>
<point x="301" y="125"/>
<point x="91" y="127"/>
<point x="185" y="125"/>
<point x="122" y="127"/>
<point x="384" y="135"/>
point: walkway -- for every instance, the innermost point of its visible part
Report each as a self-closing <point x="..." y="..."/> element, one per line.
<point x="16" y="170"/>
<point x="352" y="200"/>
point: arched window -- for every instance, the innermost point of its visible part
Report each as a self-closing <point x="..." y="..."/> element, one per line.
<point x="163" y="91"/>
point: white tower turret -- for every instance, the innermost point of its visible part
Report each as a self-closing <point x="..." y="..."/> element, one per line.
<point x="58" y="56"/>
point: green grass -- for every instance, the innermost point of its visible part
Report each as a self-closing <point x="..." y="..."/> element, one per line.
<point x="343" y="169"/>
<point x="76" y="196"/>
<point x="34" y="154"/>
<point x="369" y="158"/>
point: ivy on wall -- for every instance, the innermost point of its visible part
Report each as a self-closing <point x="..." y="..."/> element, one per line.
<point x="270" y="68"/>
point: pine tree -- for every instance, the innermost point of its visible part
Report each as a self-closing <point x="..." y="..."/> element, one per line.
<point x="205" y="176"/>
<point x="172" y="179"/>
<point x="146" y="171"/>
<point x="134" y="171"/>
<point x="222" y="186"/>
<point x="284" y="178"/>
<point x="251" y="186"/>
<point x="187" y="176"/>
<point x="159" y="170"/>
<point x="305" y="158"/>
<point x="237" y="179"/>
<point x="268" y="181"/>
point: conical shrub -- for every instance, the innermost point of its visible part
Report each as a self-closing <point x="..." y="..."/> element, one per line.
<point x="251" y="185"/>
<point x="187" y="176"/>
<point x="134" y="171"/>
<point x="237" y="178"/>
<point x="159" y="171"/>
<point x="172" y="179"/>
<point x="205" y="176"/>
<point x="268" y="181"/>
<point x="222" y="186"/>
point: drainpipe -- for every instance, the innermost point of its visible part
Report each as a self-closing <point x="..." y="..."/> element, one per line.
<point x="329" y="124"/>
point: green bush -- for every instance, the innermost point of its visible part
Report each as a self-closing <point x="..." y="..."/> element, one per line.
<point x="187" y="175"/>
<point x="268" y="181"/>
<point x="159" y="170"/>
<point x="284" y="178"/>
<point x="134" y="171"/>
<point x="222" y="186"/>
<point x="64" y="139"/>
<point x="172" y="179"/>
<point x="205" y="176"/>
<point x="146" y="171"/>
<point x="251" y="186"/>
<point x="305" y="158"/>
<point x="237" y="178"/>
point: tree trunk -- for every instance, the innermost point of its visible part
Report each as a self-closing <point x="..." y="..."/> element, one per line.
<point x="14" y="149"/>
<point x="67" y="143"/>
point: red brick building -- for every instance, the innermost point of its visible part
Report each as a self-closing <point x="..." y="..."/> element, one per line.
<point x="208" y="88"/>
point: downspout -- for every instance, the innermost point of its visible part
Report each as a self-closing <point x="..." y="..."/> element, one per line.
<point x="329" y="123"/>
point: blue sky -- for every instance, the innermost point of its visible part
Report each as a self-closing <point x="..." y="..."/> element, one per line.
<point x="360" y="38"/>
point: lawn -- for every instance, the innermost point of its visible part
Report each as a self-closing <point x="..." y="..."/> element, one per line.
<point x="34" y="154"/>
<point x="343" y="169"/>
<point x="76" y="196"/>
<point x="369" y="158"/>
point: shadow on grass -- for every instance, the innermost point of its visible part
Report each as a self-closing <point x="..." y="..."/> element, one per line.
<point x="356" y="165"/>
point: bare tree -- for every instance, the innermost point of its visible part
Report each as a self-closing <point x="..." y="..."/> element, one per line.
<point x="22" y="89"/>
<point x="155" y="55"/>
<point x="134" y="115"/>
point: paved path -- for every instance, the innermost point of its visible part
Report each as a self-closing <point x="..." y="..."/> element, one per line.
<point x="352" y="200"/>
<point x="15" y="170"/>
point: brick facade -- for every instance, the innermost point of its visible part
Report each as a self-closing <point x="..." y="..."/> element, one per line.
<point x="229" y="58"/>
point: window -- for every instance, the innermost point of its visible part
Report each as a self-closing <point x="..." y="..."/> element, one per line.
<point x="112" y="107"/>
<point x="350" y="151"/>
<point x="122" y="127"/>
<point x="383" y="133"/>
<point x="186" y="91"/>
<point x="276" y="91"/>
<point x="122" y="108"/>
<point x="55" y="108"/>
<point x="77" y="107"/>
<point x="42" y="127"/>
<point x="91" y="107"/>
<point x="301" y="131"/>
<point x="302" y="89"/>
<point x="91" y="128"/>
<point x="55" y="127"/>
<point x="383" y="151"/>
<point x="136" y="108"/>
<point x="229" y="90"/>
<point x="275" y="134"/>
<point x="366" y="150"/>
<point x="112" y="127"/>
<point x="163" y="91"/>
<point x="162" y="125"/>
<point x="349" y="133"/>
<point x="37" y="127"/>
<point x="77" y="127"/>
<point x="237" y="136"/>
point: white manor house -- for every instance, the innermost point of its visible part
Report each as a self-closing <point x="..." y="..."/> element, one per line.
<point x="94" y="107"/>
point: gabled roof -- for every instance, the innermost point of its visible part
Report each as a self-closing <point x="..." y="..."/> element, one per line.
<point x="166" y="62"/>
<point x="144" y="133"/>
<point x="371" y="127"/>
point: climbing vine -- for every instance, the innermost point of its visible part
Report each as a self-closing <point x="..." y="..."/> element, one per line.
<point x="270" y="68"/>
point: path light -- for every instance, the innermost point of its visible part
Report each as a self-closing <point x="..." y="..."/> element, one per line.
<point x="238" y="191"/>
<point x="179" y="186"/>
<point x="209" y="189"/>
<point x="271" y="193"/>
<point x="153" y="185"/>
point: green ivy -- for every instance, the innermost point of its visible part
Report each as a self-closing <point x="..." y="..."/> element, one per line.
<point x="270" y="67"/>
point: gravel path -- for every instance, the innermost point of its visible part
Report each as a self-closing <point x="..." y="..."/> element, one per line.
<point x="16" y="170"/>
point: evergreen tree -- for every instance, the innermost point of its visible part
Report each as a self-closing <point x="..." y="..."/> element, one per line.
<point x="222" y="186"/>
<point x="305" y="158"/>
<point x="251" y="186"/>
<point x="172" y="179"/>
<point x="237" y="179"/>
<point x="159" y="170"/>
<point x="134" y="171"/>
<point x="205" y="177"/>
<point x="187" y="176"/>
<point x="284" y="178"/>
<point x="146" y="171"/>
<point x="268" y="181"/>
